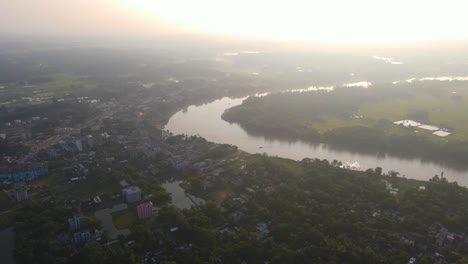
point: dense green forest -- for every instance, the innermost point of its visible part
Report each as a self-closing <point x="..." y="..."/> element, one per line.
<point x="362" y="119"/>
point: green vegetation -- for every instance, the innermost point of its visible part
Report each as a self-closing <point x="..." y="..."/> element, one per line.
<point x="363" y="119"/>
<point x="125" y="218"/>
<point x="313" y="211"/>
<point x="5" y="201"/>
<point x="68" y="83"/>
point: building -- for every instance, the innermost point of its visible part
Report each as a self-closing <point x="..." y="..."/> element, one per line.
<point x="23" y="171"/>
<point x="20" y="192"/>
<point x="76" y="222"/>
<point x="262" y="230"/>
<point x="132" y="194"/>
<point x="145" y="210"/>
<point x="90" y="141"/>
<point x="81" y="237"/>
<point x="77" y="144"/>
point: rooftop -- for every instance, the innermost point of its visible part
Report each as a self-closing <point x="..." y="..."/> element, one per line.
<point x="132" y="189"/>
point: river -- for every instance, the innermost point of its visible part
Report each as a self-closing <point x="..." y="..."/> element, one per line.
<point x="205" y="121"/>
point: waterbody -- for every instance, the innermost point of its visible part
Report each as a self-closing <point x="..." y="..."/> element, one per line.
<point x="105" y="215"/>
<point x="180" y="198"/>
<point x="205" y="121"/>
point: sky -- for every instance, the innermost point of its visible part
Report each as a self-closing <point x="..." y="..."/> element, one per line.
<point x="337" y="21"/>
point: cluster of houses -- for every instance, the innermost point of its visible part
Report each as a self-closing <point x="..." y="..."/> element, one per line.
<point x="443" y="237"/>
<point x="78" y="232"/>
<point x="132" y="195"/>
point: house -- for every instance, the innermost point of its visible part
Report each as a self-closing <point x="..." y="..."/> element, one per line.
<point x="132" y="194"/>
<point x="145" y="210"/>
<point x="97" y="199"/>
<point x="90" y="141"/>
<point x="77" y="144"/>
<point x="81" y="237"/>
<point x="124" y="183"/>
<point x="262" y="230"/>
<point x="152" y="151"/>
<point x="20" y="192"/>
<point x="180" y="164"/>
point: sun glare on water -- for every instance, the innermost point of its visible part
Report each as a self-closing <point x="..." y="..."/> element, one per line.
<point x="327" y="21"/>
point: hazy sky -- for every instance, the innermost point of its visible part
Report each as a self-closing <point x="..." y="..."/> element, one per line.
<point x="316" y="20"/>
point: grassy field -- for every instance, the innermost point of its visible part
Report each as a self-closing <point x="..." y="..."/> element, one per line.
<point x="80" y="189"/>
<point x="441" y="109"/>
<point x="124" y="219"/>
<point x="67" y="83"/>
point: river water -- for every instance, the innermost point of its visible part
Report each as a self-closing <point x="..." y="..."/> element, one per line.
<point x="205" y="121"/>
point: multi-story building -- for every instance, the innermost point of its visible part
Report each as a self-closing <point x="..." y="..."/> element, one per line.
<point x="145" y="210"/>
<point x="81" y="237"/>
<point x="132" y="194"/>
<point x="20" y="192"/>
<point x="76" y="222"/>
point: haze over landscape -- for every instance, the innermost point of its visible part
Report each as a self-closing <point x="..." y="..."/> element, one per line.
<point x="214" y="131"/>
<point x="337" y="21"/>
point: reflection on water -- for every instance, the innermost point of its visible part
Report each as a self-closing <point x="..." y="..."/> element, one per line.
<point x="312" y="88"/>
<point x="388" y="60"/>
<point x="364" y="84"/>
<point x="440" y="78"/>
<point x="445" y="78"/>
<point x="205" y="120"/>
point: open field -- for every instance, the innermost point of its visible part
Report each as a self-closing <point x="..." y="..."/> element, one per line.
<point x="124" y="219"/>
<point x="66" y="83"/>
<point x="445" y="108"/>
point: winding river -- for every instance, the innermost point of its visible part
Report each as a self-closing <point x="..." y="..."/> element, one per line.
<point x="205" y="120"/>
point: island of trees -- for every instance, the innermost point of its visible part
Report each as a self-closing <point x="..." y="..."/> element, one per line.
<point x="363" y="119"/>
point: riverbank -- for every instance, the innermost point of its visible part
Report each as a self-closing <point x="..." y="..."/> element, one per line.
<point x="366" y="120"/>
<point x="205" y="120"/>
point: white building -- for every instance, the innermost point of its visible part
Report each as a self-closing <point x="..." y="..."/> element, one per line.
<point x="132" y="194"/>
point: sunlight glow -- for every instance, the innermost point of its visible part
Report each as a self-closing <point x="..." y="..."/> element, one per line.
<point x="328" y="21"/>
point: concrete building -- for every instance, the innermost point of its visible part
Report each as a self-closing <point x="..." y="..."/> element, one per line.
<point x="78" y="145"/>
<point x="76" y="222"/>
<point x="132" y="194"/>
<point x="81" y="237"/>
<point x="145" y="210"/>
<point x="90" y="141"/>
<point x="20" y="192"/>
